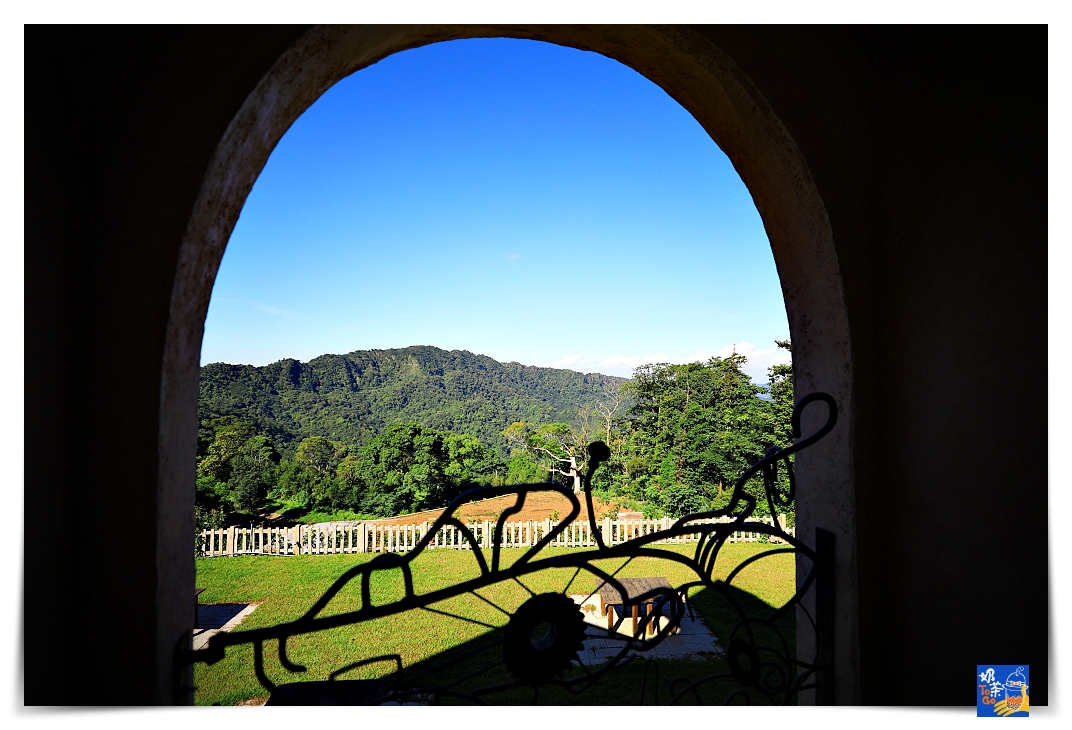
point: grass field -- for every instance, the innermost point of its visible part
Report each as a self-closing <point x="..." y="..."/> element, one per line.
<point x="428" y="642"/>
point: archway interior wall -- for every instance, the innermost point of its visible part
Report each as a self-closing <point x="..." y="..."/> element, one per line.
<point x="695" y="73"/>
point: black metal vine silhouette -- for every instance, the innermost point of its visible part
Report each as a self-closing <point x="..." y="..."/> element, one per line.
<point x="538" y="645"/>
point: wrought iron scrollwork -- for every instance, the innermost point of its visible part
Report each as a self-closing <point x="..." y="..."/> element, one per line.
<point x="539" y="643"/>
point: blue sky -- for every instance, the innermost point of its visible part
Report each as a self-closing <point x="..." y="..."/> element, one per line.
<point x="513" y="198"/>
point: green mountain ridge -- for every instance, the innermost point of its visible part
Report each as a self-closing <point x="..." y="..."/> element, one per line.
<point x="354" y="397"/>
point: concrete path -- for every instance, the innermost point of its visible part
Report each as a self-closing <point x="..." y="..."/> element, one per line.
<point x="693" y="641"/>
<point x="212" y="618"/>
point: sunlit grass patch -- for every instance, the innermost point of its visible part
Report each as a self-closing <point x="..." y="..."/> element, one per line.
<point x="285" y="588"/>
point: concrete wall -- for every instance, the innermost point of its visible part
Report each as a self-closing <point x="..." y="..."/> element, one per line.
<point x="120" y="124"/>
<point x="928" y="148"/>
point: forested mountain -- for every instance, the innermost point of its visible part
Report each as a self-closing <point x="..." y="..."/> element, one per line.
<point x="355" y="397"/>
<point x="387" y="432"/>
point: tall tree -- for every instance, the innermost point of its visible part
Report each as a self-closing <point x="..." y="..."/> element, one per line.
<point x="229" y="435"/>
<point x="695" y="428"/>
<point x="253" y="472"/>
<point x="555" y="448"/>
<point x="780" y="378"/>
<point x="320" y="454"/>
<point x="412" y="468"/>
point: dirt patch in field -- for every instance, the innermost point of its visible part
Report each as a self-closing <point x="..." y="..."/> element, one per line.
<point x="538" y="506"/>
<point x="255" y="702"/>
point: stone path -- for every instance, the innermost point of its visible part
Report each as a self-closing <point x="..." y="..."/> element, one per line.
<point x="212" y="618"/>
<point x="693" y="641"/>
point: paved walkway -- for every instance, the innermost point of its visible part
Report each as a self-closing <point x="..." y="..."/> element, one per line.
<point x="212" y="618"/>
<point x="693" y="641"/>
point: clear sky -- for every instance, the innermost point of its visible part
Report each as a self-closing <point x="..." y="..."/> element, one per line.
<point x="512" y="198"/>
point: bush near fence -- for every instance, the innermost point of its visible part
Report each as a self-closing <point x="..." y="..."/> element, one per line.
<point x="330" y="538"/>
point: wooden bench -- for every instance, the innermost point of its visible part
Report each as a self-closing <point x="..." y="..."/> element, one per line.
<point x="610" y="598"/>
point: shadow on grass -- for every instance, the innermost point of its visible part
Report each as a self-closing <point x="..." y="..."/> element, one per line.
<point x="475" y="671"/>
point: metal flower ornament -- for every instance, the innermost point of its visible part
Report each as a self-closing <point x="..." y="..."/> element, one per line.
<point x="524" y="632"/>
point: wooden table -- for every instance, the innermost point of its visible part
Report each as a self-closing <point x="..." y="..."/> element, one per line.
<point x="610" y="597"/>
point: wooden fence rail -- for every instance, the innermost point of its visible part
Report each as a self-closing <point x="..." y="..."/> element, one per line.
<point x="329" y="538"/>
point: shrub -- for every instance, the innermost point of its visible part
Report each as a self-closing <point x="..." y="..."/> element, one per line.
<point x="205" y="519"/>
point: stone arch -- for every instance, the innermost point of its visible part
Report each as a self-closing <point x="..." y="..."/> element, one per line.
<point x="706" y="82"/>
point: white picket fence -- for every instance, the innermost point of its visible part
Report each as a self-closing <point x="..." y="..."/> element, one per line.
<point x="328" y="538"/>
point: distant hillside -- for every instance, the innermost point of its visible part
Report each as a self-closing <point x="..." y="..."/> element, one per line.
<point x="351" y="398"/>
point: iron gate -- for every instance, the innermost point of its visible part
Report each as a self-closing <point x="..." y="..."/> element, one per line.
<point x="534" y="647"/>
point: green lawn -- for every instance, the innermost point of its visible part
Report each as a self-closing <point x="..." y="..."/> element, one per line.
<point x="433" y="643"/>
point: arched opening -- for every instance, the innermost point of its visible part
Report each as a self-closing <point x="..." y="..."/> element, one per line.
<point x="692" y="71"/>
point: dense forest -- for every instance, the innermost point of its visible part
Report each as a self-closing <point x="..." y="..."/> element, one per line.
<point x="362" y="435"/>
<point x="355" y="397"/>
